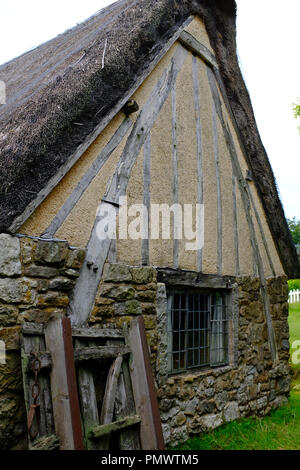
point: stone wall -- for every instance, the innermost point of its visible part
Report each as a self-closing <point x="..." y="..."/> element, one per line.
<point x="36" y="278"/>
<point x="199" y="401"/>
<point x="125" y="292"/>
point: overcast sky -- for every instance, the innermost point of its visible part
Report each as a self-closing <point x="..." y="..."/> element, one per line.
<point x="268" y="47"/>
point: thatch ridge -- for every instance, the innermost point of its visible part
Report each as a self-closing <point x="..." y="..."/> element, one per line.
<point x="58" y="93"/>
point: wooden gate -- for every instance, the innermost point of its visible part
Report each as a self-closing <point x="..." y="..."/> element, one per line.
<point x="89" y="388"/>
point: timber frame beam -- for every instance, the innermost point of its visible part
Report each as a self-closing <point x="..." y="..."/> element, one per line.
<point x="181" y="278"/>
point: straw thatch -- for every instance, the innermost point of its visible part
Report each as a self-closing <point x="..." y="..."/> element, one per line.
<point x="59" y="92"/>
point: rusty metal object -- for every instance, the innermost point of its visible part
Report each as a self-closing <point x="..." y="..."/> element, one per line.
<point x="152" y="392"/>
<point x="34" y="411"/>
<point x="72" y="384"/>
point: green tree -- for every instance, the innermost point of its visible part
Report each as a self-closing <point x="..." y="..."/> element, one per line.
<point x="296" y="109"/>
<point x="294" y="226"/>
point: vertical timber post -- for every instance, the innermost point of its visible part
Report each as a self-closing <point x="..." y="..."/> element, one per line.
<point x="143" y="388"/>
<point x="58" y="336"/>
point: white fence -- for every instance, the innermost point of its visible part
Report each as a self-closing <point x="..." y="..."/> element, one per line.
<point x="294" y="296"/>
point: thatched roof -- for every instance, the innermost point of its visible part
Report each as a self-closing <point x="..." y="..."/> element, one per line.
<point x="61" y="84"/>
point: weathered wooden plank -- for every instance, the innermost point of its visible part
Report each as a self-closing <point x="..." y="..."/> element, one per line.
<point x="30" y="344"/>
<point x="189" y="41"/>
<point x="88" y="401"/>
<point x="192" y="279"/>
<point x="195" y="72"/>
<point x="33" y="329"/>
<point x="36" y="329"/>
<point x="46" y="408"/>
<point x="72" y="384"/>
<point x="143" y="388"/>
<point x="19" y="221"/>
<point x="96" y="333"/>
<point x="88" y="178"/>
<point x="219" y="193"/>
<point x="98" y="247"/>
<point x="124" y="406"/>
<point x="175" y="172"/>
<point x="108" y="404"/>
<point x="100" y="431"/>
<point x="59" y="385"/>
<point x="43" y="356"/>
<point x="147" y="198"/>
<point x="235" y="225"/>
<point x="96" y="353"/>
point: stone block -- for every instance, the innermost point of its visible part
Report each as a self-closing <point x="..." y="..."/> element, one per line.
<point x="180" y="419"/>
<point x="10" y="264"/>
<point x="63" y="284"/>
<point x="206" y="407"/>
<point x="143" y="275"/>
<point x="37" y="315"/>
<point x="131" y="307"/>
<point x="51" y="252"/>
<point x="146" y="295"/>
<point x="103" y="311"/>
<point x="42" y="285"/>
<point x="221" y="399"/>
<point x="116" y="273"/>
<point x="148" y="309"/>
<point x="40" y="271"/>
<point x="75" y="258"/>
<point x="166" y="404"/>
<point x="191" y="406"/>
<point x="52" y="299"/>
<point x="72" y="273"/>
<point x="211" y="421"/>
<point x="231" y="412"/>
<point x="165" y="416"/>
<point x="13" y="291"/>
<point x="26" y="253"/>
<point x="118" y="292"/>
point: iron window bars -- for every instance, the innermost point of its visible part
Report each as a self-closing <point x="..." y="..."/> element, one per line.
<point x="197" y="330"/>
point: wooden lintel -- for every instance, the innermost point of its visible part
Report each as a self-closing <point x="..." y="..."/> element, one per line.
<point x="97" y="333"/>
<point x="103" y="352"/>
<point x="105" y="429"/>
<point x="38" y="329"/>
<point x="191" y="43"/>
<point x="179" y="278"/>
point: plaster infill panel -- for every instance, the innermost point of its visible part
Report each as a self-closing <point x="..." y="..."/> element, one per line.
<point x="129" y="251"/>
<point x="47" y="210"/>
<point x="186" y="148"/>
<point x="78" y="225"/>
<point x="161" y="185"/>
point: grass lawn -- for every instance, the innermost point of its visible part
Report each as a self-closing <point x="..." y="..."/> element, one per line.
<point x="278" y="431"/>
